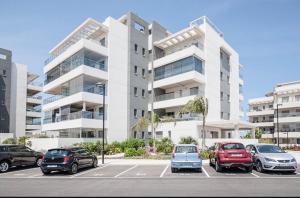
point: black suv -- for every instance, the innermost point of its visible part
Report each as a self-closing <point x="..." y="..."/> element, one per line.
<point x="67" y="159"/>
<point x="18" y="155"/>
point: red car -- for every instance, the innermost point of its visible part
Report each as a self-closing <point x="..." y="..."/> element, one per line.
<point x="230" y="154"/>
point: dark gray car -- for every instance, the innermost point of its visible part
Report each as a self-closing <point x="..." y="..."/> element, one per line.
<point x="271" y="157"/>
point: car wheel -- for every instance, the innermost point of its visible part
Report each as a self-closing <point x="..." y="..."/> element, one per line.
<point x="292" y="172"/>
<point x="95" y="163"/>
<point x="259" y="167"/>
<point x="218" y="167"/>
<point x="249" y="169"/>
<point x="46" y="172"/>
<point x="4" y="166"/>
<point x="38" y="162"/>
<point x="74" y="169"/>
<point x="173" y="170"/>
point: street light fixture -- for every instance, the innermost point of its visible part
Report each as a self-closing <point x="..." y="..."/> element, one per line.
<point x="278" y="124"/>
<point x="102" y="84"/>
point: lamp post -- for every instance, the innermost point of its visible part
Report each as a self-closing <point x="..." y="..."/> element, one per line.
<point x="102" y="84"/>
<point x="277" y="124"/>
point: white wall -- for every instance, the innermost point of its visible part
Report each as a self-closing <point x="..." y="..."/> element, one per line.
<point x="18" y="99"/>
<point x="210" y="142"/>
<point x="118" y="80"/>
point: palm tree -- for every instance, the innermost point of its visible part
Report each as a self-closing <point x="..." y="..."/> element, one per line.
<point x="198" y="105"/>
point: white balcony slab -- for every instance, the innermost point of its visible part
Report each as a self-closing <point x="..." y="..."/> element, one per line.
<point x="83" y="69"/>
<point x="33" y="114"/>
<point x="189" y="51"/>
<point x="75" y="98"/>
<point x="33" y="127"/>
<point x="34" y="101"/>
<point x="171" y="103"/>
<point x="289" y="105"/>
<point x="288" y="119"/>
<point x="282" y="135"/>
<point x="34" y="88"/>
<point x="83" y="43"/>
<point x="264" y="112"/>
<point x="264" y="124"/>
<point x="182" y="79"/>
<point x="77" y="123"/>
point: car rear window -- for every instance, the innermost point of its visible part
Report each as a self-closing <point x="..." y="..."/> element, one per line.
<point x="186" y="149"/>
<point x="233" y="146"/>
<point x="57" y="152"/>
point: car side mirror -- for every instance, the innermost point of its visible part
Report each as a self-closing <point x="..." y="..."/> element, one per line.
<point x="252" y="152"/>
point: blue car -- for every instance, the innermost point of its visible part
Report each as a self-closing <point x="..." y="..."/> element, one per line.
<point x="186" y="156"/>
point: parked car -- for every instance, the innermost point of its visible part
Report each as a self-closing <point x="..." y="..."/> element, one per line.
<point x="230" y="154"/>
<point x="186" y="156"/>
<point x="68" y="160"/>
<point x="271" y="157"/>
<point x="18" y="155"/>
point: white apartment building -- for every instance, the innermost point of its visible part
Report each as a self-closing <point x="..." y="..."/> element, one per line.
<point x="22" y="98"/>
<point x="263" y="113"/>
<point x="195" y="61"/>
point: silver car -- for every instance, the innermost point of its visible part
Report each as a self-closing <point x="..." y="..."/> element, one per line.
<point x="271" y="157"/>
<point x="186" y="156"/>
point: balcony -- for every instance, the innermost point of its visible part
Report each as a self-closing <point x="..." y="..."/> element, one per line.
<point x="288" y="118"/>
<point x="34" y="99"/>
<point x="258" y="112"/>
<point x="74" y="116"/>
<point x="72" y="63"/>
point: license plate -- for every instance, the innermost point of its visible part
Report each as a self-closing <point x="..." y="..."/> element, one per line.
<point x="236" y="155"/>
<point x="282" y="165"/>
<point x="52" y="166"/>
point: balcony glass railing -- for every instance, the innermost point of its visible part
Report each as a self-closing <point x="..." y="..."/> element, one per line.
<point x="178" y="67"/>
<point x="295" y="114"/>
<point x="184" y="117"/>
<point x="72" y="63"/>
<point x="33" y="122"/>
<point x="35" y="97"/>
<point x="173" y="95"/>
<point x="89" y="89"/>
<point x="34" y="109"/>
<point x="74" y="116"/>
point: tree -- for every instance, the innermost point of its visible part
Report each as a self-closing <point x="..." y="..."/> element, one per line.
<point x="258" y="133"/>
<point x="22" y="140"/>
<point x="198" y="105"/>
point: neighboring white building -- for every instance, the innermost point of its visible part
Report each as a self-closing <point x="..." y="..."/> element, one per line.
<point x="24" y="101"/>
<point x="194" y="61"/>
<point x="263" y="113"/>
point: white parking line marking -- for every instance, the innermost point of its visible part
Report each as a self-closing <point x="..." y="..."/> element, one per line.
<point x="206" y="173"/>
<point x="254" y="175"/>
<point x="297" y="173"/>
<point x="19" y="174"/>
<point x="93" y="169"/>
<point x="17" y="171"/>
<point x="164" y="171"/>
<point x="125" y="171"/>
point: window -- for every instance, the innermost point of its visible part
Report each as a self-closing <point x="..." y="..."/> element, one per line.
<point x="143" y="113"/>
<point x="102" y="41"/>
<point x="143" y="73"/>
<point x="139" y="27"/>
<point x="3" y="101"/>
<point x="159" y="134"/>
<point x="221" y="55"/>
<point x="136" y="48"/>
<point x="228" y="97"/>
<point x="135" y="113"/>
<point x="270" y="106"/>
<point x="135" y="70"/>
<point x="193" y="91"/>
<point x="228" y="79"/>
<point x="134" y="134"/>
<point x="221" y="95"/>
<point x="143" y="52"/>
<point x="150" y="52"/>
<point x="143" y="93"/>
<point x="4" y="73"/>
<point x="135" y="91"/>
<point x="143" y="135"/>
<point x="222" y="115"/>
<point x="170" y="134"/>
<point x="221" y="75"/>
<point x="150" y="31"/>
<point x="297" y="98"/>
<point x="2" y="56"/>
<point x="285" y="99"/>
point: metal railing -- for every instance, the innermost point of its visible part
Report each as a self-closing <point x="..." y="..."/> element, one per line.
<point x="35" y="97"/>
<point x="174" y="95"/>
<point x="74" y="116"/>
<point x="295" y="114"/>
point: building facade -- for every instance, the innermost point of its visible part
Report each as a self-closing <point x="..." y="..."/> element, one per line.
<point x="21" y="106"/>
<point x="195" y="61"/>
<point x="263" y="113"/>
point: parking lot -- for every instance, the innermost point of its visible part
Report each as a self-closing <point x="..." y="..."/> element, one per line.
<point x="148" y="179"/>
<point x="162" y="171"/>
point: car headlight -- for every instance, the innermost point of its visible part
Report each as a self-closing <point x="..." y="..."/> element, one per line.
<point x="293" y="160"/>
<point x="269" y="159"/>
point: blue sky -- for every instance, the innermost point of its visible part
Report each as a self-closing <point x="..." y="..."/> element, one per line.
<point x="266" y="33"/>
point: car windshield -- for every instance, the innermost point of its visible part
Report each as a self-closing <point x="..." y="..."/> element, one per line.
<point x="186" y="149"/>
<point x="269" y="149"/>
<point x="57" y="152"/>
<point x="233" y="146"/>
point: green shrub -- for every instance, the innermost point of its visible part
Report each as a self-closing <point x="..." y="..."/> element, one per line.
<point x="165" y="145"/>
<point x="10" y="141"/>
<point x="140" y="152"/>
<point x="130" y="152"/>
<point x="133" y="143"/>
<point x="188" y="140"/>
<point x="22" y="140"/>
<point x="204" y="154"/>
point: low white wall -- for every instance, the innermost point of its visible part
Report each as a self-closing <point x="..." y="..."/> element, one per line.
<point x="210" y="142"/>
<point x="4" y="136"/>
<point x="43" y="144"/>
